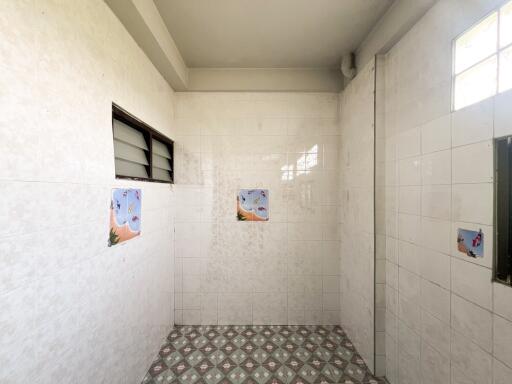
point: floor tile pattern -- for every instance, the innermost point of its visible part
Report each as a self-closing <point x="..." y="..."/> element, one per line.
<point x="258" y="355"/>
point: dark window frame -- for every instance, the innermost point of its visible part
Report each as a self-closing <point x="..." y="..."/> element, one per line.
<point x="502" y="260"/>
<point x="149" y="133"/>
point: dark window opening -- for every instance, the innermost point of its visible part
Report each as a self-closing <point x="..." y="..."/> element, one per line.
<point x="503" y="210"/>
<point x="141" y="152"/>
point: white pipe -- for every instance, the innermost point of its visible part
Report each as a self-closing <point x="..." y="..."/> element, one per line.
<point x="347" y="66"/>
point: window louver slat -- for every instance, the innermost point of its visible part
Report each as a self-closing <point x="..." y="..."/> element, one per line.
<point x="161" y="149"/>
<point x="129" y="153"/>
<point x="160" y="174"/>
<point x="126" y="168"/>
<point x="127" y="134"/>
<point x="161" y="162"/>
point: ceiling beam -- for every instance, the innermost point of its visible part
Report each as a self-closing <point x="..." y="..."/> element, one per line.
<point x="395" y="23"/>
<point x="265" y="79"/>
<point x="143" y="21"/>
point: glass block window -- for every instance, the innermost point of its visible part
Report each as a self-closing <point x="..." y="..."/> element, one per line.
<point x="483" y="59"/>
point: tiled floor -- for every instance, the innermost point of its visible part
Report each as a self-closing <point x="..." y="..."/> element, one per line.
<point x="258" y="355"/>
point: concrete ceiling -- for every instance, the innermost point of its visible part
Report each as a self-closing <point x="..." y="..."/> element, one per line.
<point x="268" y="33"/>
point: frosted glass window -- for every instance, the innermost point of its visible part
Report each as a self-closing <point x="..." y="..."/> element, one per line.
<point x="477" y="43"/>
<point x="477" y="72"/>
<point x="476" y="84"/>
<point x="506" y="25"/>
<point x="506" y="70"/>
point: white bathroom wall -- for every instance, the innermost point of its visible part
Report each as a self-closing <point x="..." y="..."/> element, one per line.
<point x="356" y="191"/>
<point x="72" y="309"/>
<point x="446" y="321"/>
<point x="284" y="271"/>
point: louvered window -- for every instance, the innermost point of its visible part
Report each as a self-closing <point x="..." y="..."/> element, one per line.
<point x="131" y="151"/>
<point x="140" y="151"/>
<point x="162" y="161"/>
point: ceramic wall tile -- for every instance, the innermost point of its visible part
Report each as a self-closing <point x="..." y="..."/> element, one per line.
<point x="436" y="201"/>
<point x="502" y="331"/>
<point x="435" y="368"/>
<point x="501" y="372"/>
<point x="463" y="207"/>
<point x="472" y="321"/>
<point x="356" y="189"/>
<point x="436" y="135"/>
<point x="60" y="283"/>
<point x="502" y="304"/>
<point x="435" y="267"/>
<point x="435" y="168"/>
<point x="409" y="171"/>
<point x="457" y="295"/>
<point x="472" y="282"/>
<point x="409" y="256"/>
<point x="502" y="114"/>
<point x="410" y="200"/>
<point x="473" y="124"/>
<point x="285" y="143"/>
<point x="469" y="358"/>
<point x="473" y="163"/>
<point x="435" y="333"/>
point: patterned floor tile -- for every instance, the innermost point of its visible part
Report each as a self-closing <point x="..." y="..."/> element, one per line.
<point x="258" y="355"/>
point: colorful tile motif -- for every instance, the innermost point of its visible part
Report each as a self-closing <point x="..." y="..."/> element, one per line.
<point x="125" y="215"/>
<point x="470" y="243"/>
<point x="258" y="355"/>
<point x="252" y="205"/>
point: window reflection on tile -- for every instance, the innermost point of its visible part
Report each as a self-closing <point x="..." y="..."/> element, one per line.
<point x="506" y="69"/>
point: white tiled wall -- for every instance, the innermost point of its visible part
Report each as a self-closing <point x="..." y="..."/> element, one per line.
<point x="356" y="190"/>
<point x="446" y="322"/>
<point x="71" y="309"/>
<point x="284" y="271"/>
